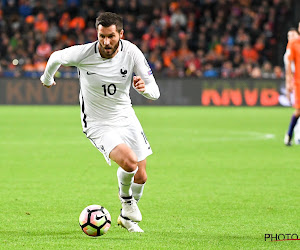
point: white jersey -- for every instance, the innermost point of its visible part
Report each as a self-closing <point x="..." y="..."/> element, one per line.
<point x="104" y="83"/>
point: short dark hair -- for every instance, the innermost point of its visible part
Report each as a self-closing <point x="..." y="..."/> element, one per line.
<point x="293" y="29"/>
<point x="107" y="19"/>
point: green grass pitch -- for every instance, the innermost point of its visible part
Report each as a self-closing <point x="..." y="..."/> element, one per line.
<point x="219" y="178"/>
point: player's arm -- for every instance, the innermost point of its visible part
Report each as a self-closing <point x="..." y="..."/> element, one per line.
<point x="144" y="81"/>
<point x="65" y="57"/>
<point x="53" y="65"/>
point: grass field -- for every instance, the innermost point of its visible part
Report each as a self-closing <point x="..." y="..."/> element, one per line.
<point x="219" y="178"/>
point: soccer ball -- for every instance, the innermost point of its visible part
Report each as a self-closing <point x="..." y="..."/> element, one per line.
<point x="95" y="220"/>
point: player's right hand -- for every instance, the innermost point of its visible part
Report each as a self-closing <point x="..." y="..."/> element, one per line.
<point x="49" y="86"/>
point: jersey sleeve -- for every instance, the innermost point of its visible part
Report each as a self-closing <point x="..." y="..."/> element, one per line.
<point x="142" y="69"/>
<point x="67" y="57"/>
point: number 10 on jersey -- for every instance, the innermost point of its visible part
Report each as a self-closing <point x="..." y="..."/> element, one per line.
<point x="110" y="89"/>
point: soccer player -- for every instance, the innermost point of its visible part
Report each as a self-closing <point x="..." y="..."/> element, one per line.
<point x="292" y="79"/>
<point x="105" y="70"/>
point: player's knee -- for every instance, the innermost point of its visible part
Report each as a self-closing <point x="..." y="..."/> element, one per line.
<point x="140" y="178"/>
<point x="130" y="163"/>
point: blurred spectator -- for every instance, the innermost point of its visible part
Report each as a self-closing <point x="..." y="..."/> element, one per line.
<point x="250" y="55"/>
<point x="278" y="73"/>
<point x="10" y="8"/>
<point x="77" y="22"/>
<point x="209" y="71"/>
<point x="267" y="70"/>
<point x="178" y="17"/>
<point x="29" y="65"/>
<point x="41" y="23"/>
<point x="39" y="63"/>
<point x="53" y="33"/>
<point x="44" y="49"/>
<point x="24" y="8"/>
<point x="193" y="66"/>
<point x="227" y="70"/>
<point x="256" y="72"/>
<point x="168" y="55"/>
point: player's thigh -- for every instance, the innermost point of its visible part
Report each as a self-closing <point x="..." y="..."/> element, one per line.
<point x="136" y="139"/>
<point x="105" y="140"/>
<point x="124" y="156"/>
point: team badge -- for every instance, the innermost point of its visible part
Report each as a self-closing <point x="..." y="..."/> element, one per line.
<point x="123" y="72"/>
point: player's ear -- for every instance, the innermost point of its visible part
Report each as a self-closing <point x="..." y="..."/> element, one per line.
<point x="122" y="34"/>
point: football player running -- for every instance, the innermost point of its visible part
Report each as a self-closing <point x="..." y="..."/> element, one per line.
<point x="105" y="69"/>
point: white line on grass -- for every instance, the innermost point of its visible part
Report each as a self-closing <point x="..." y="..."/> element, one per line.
<point x="241" y="136"/>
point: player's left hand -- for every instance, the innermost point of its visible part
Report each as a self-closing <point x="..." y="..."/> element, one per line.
<point x="139" y="84"/>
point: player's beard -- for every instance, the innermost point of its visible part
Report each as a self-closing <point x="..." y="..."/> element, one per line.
<point x="108" y="53"/>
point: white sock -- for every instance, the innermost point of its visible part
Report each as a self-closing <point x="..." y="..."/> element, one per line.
<point x="137" y="190"/>
<point x="125" y="180"/>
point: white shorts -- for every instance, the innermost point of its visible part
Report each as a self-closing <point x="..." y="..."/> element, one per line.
<point x="106" y="137"/>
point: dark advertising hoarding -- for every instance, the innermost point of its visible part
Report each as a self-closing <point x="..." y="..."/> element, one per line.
<point x="204" y="92"/>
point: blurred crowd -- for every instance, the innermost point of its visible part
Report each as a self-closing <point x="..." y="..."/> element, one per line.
<point x="199" y="38"/>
